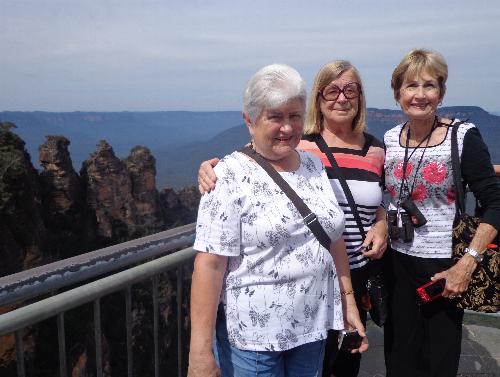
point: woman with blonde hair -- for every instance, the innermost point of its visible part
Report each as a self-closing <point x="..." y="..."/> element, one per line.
<point x="337" y="115"/>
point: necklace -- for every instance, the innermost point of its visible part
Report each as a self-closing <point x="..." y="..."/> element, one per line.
<point x="404" y="180"/>
<point x="434" y="125"/>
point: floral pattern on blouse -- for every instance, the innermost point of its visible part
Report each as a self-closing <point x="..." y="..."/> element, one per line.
<point x="432" y="190"/>
<point x="281" y="288"/>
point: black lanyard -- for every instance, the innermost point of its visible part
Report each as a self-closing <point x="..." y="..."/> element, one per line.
<point x="404" y="180"/>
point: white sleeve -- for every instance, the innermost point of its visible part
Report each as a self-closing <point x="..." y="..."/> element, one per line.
<point x="218" y="227"/>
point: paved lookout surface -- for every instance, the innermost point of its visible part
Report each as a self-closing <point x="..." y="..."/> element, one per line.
<point x="480" y="353"/>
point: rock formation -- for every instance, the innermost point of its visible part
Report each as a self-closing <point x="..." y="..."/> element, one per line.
<point x="71" y="224"/>
<point x="180" y="207"/>
<point x="57" y="214"/>
<point x="22" y="230"/>
<point x="62" y="186"/>
<point x="142" y="168"/>
<point x="109" y="192"/>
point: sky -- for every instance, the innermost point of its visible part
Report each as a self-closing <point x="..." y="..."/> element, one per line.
<point x="107" y="55"/>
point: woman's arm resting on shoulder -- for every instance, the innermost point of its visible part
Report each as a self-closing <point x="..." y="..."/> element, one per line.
<point x="351" y="314"/>
<point x="209" y="270"/>
<point x="459" y="275"/>
<point x="376" y="237"/>
<point x="206" y="175"/>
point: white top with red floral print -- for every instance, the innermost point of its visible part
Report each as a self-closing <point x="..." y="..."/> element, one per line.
<point x="433" y="190"/>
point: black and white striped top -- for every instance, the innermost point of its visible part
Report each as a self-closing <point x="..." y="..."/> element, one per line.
<point x="363" y="171"/>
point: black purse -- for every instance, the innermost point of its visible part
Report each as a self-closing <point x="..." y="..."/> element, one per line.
<point x="483" y="293"/>
<point x="378" y="297"/>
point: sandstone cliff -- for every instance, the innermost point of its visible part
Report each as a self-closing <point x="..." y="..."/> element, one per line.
<point x="109" y="193"/>
<point x="22" y="229"/>
<point x="142" y="168"/>
<point x="57" y="213"/>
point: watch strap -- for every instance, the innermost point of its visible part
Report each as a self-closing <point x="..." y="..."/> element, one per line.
<point x="475" y="254"/>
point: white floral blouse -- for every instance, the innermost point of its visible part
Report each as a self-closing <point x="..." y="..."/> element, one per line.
<point x="281" y="288"/>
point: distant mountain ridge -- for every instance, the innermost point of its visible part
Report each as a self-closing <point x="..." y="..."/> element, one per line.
<point x="123" y="130"/>
<point x="184" y="171"/>
<point x="180" y="140"/>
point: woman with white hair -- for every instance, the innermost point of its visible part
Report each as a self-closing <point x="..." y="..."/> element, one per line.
<point x="262" y="279"/>
<point x="336" y="116"/>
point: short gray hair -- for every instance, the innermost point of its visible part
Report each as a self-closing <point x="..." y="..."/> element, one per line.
<point x="271" y="87"/>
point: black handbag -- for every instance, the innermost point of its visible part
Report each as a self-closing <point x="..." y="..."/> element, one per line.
<point x="378" y="296"/>
<point x="483" y="293"/>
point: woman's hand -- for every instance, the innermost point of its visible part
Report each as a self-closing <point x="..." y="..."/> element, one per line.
<point x="202" y="366"/>
<point x="457" y="277"/>
<point x="206" y="176"/>
<point x="352" y="321"/>
<point x="375" y="242"/>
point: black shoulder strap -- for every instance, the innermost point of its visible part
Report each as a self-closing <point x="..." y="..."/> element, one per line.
<point x="310" y="218"/>
<point x="457" y="175"/>
<point x="323" y="147"/>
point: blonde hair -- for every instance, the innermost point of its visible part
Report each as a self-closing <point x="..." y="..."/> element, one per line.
<point x="414" y="63"/>
<point x="328" y="73"/>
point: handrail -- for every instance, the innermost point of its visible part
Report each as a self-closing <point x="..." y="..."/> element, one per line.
<point x="50" y="277"/>
<point x="49" y="307"/>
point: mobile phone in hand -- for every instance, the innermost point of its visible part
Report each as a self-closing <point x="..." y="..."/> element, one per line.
<point x="431" y="290"/>
<point x="349" y="340"/>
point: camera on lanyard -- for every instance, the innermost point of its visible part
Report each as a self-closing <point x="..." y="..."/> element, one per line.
<point x="402" y="224"/>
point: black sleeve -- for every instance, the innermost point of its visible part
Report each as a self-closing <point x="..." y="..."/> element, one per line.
<point x="478" y="173"/>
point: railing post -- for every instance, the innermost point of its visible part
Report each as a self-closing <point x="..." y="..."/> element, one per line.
<point x="20" y="353"/>
<point x="155" y="325"/>
<point x="97" y="335"/>
<point x="61" y="334"/>
<point x="128" y="324"/>
<point x="179" y="321"/>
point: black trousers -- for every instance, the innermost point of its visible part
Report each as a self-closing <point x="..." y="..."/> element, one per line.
<point x="346" y="364"/>
<point x="420" y="340"/>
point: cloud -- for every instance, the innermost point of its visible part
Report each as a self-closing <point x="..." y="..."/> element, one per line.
<point x="149" y="55"/>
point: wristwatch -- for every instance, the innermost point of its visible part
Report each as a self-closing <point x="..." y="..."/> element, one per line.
<point x="475" y="254"/>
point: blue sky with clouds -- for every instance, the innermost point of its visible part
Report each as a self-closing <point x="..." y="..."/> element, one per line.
<point x="102" y="55"/>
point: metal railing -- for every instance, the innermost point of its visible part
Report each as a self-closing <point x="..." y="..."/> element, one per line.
<point x="58" y="275"/>
<point x="149" y="252"/>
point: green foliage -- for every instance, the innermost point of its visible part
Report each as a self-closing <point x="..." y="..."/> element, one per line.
<point x="138" y="231"/>
<point x="11" y="166"/>
<point x="7" y="126"/>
